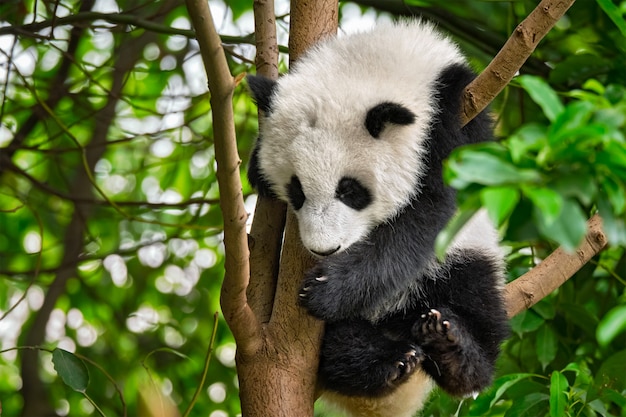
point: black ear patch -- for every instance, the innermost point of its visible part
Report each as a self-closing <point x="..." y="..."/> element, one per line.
<point x="353" y="194"/>
<point x="262" y="91"/>
<point x="295" y="193"/>
<point x="387" y="112"/>
<point x="255" y="176"/>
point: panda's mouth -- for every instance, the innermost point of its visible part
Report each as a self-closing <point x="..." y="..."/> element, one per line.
<point x="323" y="254"/>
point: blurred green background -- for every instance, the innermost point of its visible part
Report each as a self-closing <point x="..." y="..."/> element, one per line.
<point x="111" y="235"/>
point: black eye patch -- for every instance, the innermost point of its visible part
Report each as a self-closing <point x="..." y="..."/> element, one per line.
<point x="353" y="194"/>
<point x="295" y="193"/>
<point x="384" y="113"/>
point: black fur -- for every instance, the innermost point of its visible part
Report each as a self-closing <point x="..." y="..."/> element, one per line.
<point x="263" y="90"/>
<point x="255" y="176"/>
<point x="457" y="345"/>
<point x="378" y="116"/>
<point x="353" y="194"/>
<point x="295" y="193"/>
<point x="453" y="325"/>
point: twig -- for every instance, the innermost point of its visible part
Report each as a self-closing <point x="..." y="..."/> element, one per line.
<point x="205" y="370"/>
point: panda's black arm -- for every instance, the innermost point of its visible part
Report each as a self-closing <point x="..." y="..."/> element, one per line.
<point x="363" y="280"/>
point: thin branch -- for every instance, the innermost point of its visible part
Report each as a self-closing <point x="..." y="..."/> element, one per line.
<point x="111" y="380"/>
<point x="116" y="18"/>
<point x="237" y="312"/>
<point x="105" y="203"/>
<point x="57" y="90"/>
<point x="266" y="232"/>
<point x="557" y="268"/>
<point x="480" y="92"/>
<point x="205" y="369"/>
<point x="37" y="263"/>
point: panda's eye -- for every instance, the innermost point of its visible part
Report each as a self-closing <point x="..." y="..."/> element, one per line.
<point x="353" y="194"/>
<point x="295" y="193"/>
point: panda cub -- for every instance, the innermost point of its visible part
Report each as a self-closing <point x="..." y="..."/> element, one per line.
<point x="353" y="138"/>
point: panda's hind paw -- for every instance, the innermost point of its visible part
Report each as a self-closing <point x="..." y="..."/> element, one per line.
<point x="433" y="328"/>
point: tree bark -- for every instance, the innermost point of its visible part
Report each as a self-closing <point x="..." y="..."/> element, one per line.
<point x="277" y="341"/>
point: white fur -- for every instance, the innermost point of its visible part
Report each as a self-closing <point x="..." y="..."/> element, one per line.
<point x="479" y="233"/>
<point x="402" y="402"/>
<point x="317" y="126"/>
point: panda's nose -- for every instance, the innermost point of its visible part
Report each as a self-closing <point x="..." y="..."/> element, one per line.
<point x="326" y="253"/>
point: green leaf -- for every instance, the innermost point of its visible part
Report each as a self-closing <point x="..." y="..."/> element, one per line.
<point x="546" y="309"/>
<point x="614" y="14"/>
<point x="558" y="394"/>
<point x="499" y="202"/>
<point x="548" y="201"/>
<point x="616" y="193"/>
<point x="568" y="229"/>
<point x="526" y="322"/>
<point x="581" y="187"/>
<point x="531" y="405"/>
<point x="574" y="120"/>
<point x="612" y="324"/>
<point x="546" y="345"/>
<point x="612" y="373"/>
<point x="577" y="68"/>
<point x="454" y="226"/>
<point x="488" y="399"/>
<point x="614" y="226"/>
<point x="470" y="166"/>
<point x="530" y="137"/>
<point x="71" y="369"/>
<point x="543" y="95"/>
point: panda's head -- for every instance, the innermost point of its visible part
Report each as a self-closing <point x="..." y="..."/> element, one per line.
<point x="344" y="135"/>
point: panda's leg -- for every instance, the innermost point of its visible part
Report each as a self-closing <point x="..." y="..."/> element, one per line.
<point x="361" y="359"/>
<point x="464" y="323"/>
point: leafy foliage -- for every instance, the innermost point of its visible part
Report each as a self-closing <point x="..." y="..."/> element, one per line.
<point x="110" y="232"/>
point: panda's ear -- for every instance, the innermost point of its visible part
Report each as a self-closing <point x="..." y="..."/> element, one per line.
<point x="387" y="112"/>
<point x="262" y="91"/>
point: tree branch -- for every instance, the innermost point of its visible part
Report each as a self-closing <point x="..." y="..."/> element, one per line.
<point x="237" y="312"/>
<point x="277" y="361"/>
<point x="115" y="18"/>
<point x="480" y="92"/>
<point x="553" y="271"/>
<point x="266" y="233"/>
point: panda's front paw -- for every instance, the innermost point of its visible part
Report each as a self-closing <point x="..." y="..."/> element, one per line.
<point x="322" y="294"/>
